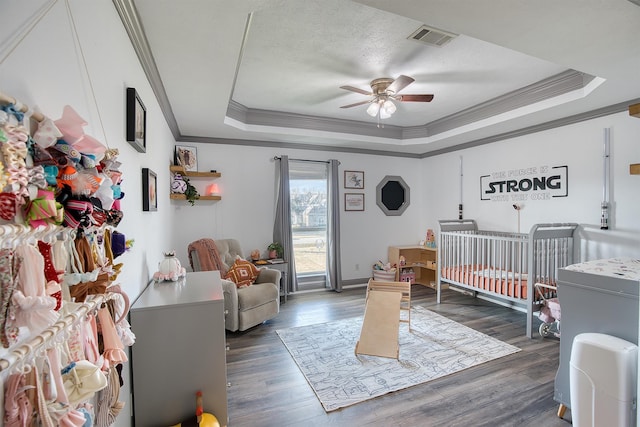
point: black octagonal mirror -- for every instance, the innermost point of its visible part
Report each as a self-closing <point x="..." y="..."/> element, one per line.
<point x="392" y="195"/>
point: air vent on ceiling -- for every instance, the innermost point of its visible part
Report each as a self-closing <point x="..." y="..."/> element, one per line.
<point x="431" y="36"/>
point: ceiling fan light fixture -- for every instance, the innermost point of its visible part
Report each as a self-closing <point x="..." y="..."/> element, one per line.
<point x="383" y="92"/>
<point x="373" y="109"/>
<point x="389" y="107"/>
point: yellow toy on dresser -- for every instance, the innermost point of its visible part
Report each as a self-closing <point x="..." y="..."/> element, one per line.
<point x="201" y="419"/>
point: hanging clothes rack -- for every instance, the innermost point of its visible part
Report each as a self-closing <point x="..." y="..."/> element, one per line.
<point x="13" y="232"/>
<point x="22" y="350"/>
<point x="6" y="99"/>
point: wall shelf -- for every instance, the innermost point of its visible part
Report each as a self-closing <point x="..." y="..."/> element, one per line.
<point x="178" y="196"/>
<point x="181" y="171"/>
<point x="175" y="169"/>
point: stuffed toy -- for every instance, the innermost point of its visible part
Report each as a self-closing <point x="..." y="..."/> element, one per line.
<point x="431" y="239"/>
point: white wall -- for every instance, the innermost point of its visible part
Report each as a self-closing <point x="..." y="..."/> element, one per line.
<point x="580" y="146"/>
<point x="42" y="65"/>
<point x="47" y="70"/>
<point x="246" y="211"/>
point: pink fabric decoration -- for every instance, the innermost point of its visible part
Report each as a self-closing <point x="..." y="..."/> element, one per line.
<point x="71" y="125"/>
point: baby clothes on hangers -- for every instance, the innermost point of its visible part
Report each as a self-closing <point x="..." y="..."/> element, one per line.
<point x="60" y="410"/>
<point x="51" y="275"/>
<point x="112" y="345"/>
<point x="18" y="410"/>
<point x="34" y="309"/>
<point x="8" y="331"/>
<point x="109" y="406"/>
<point x="95" y="285"/>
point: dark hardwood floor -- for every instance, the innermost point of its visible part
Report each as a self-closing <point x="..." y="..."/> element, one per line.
<point x="268" y="389"/>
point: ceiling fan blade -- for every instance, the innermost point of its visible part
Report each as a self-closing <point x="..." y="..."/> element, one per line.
<point x="399" y="84"/>
<point x="414" y="98"/>
<point x="356" y="104"/>
<point x="357" y="90"/>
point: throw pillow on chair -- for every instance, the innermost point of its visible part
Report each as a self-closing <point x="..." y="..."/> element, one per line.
<point x="243" y="273"/>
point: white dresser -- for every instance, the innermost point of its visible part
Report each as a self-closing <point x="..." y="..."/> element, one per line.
<point x="180" y="349"/>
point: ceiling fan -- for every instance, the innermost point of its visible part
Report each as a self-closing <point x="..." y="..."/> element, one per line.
<point x="383" y="92"/>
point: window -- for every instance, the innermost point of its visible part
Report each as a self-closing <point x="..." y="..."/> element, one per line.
<point x="308" y="193"/>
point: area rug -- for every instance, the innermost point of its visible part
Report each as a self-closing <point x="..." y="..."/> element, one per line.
<point x="436" y="347"/>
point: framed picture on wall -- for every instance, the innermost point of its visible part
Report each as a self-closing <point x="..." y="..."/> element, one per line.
<point x="353" y="201"/>
<point x="187" y="157"/>
<point x="354" y="179"/>
<point x="136" y="121"/>
<point x="149" y="190"/>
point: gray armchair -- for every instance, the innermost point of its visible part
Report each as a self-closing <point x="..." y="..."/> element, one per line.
<point x="249" y="306"/>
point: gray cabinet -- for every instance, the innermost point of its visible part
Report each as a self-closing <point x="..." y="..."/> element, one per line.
<point x="179" y="350"/>
<point x="595" y="296"/>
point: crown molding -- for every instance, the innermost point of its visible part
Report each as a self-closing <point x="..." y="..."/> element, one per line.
<point x="293" y="146"/>
<point x="565" y="121"/>
<point x="279" y="119"/>
<point x="132" y="24"/>
<point x="554" y="86"/>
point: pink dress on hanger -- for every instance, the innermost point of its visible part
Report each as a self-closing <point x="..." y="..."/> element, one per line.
<point x="34" y="308"/>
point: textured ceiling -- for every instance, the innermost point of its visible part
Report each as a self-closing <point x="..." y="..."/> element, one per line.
<point x="269" y="72"/>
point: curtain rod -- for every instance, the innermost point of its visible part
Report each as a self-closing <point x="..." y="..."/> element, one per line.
<point x="303" y="160"/>
<point x="6" y="99"/>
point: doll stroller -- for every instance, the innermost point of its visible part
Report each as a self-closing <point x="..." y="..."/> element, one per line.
<point x="549" y="311"/>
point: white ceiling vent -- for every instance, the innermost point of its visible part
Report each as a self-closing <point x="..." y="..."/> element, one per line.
<point x="431" y="36"/>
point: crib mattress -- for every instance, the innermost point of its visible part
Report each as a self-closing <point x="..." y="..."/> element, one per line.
<point x="502" y="282"/>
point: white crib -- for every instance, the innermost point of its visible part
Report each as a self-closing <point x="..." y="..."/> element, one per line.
<point x="500" y="266"/>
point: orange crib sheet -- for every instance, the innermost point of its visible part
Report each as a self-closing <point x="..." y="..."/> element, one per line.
<point x="486" y="278"/>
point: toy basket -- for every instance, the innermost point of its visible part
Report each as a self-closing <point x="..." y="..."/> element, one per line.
<point x="384" y="276"/>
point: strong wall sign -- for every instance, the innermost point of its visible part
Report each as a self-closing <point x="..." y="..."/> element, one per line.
<point x="533" y="183"/>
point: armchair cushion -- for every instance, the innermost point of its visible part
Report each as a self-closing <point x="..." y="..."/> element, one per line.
<point x="242" y="273"/>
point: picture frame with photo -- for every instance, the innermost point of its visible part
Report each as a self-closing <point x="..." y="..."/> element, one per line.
<point x="136" y="121"/>
<point x="149" y="190"/>
<point x="187" y="157"/>
<point x="354" y="179"/>
<point x="353" y="202"/>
